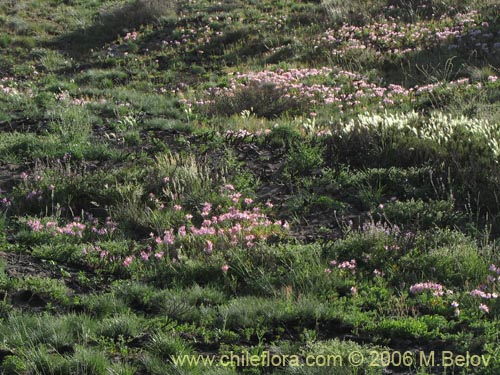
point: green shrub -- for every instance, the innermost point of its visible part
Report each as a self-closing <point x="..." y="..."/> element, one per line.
<point x="165" y="344"/>
<point x="304" y="160"/>
<point x="458" y="265"/>
<point x="103" y="305"/>
<point x="423" y="215"/>
<point x="119" y="326"/>
<point x="86" y="361"/>
<point x="261" y="99"/>
<point x="401" y="328"/>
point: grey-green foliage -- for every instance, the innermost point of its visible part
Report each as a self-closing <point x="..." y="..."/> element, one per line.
<point x="72" y="123"/>
<point x="125" y="325"/>
<point x="187" y="175"/>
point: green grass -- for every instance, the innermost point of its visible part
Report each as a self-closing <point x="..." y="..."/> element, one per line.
<point x="209" y="178"/>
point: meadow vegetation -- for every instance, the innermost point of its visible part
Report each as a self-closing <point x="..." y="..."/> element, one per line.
<point x="213" y="177"/>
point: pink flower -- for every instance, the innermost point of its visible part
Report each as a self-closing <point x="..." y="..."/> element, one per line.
<point x="207" y="207"/>
<point x="248" y="200"/>
<point x="6" y="202"/>
<point x="128" y="261"/>
<point x="182" y="231"/>
<point x="327" y="270"/>
<point x="480" y="293"/>
<point x="159" y="255"/>
<point x="378" y="273"/>
<point x="35" y="225"/>
<point x="436" y="288"/>
<point x="225" y="268"/>
<point x="235" y="197"/>
<point x="168" y="237"/>
<point x="454" y="304"/>
<point x="177" y="207"/>
<point x="51" y="225"/>
<point x="484" y="308"/>
<point x="189" y="217"/>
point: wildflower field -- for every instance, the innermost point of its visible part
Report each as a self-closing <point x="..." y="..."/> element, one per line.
<point x="186" y="185"/>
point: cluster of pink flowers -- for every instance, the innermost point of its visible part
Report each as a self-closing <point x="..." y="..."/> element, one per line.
<point x="64" y="96"/>
<point x="235" y="226"/>
<point x="231" y="227"/>
<point x="10" y="87"/>
<point x="372" y="228"/>
<point x="484" y="308"/>
<point x="35" y="225"/>
<point x="274" y="22"/>
<point x="70" y="229"/>
<point x="183" y="37"/>
<point x="349" y="265"/>
<point x="108" y="228"/>
<point x="306" y="83"/>
<point x="437" y="289"/>
<point x="95" y="249"/>
<point x="131" y="36"/>
<point x="168" y="237"/>
<point x="95" y="252"/>
<point x="34" y="194"/>
<point x="321" y="86"/>
<point x="492" y="284"/>
<point x="6" y="202"/>
<point x="482" y="294"/>
<point x="394" y="37"/>
<point x="76" y="228"/>
<point x="495" y="269"/>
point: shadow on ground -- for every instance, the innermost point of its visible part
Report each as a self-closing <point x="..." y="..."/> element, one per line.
<point x="111" y="23"/>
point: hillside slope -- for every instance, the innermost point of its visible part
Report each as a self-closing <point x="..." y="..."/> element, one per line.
<point x="311" y="184"/>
